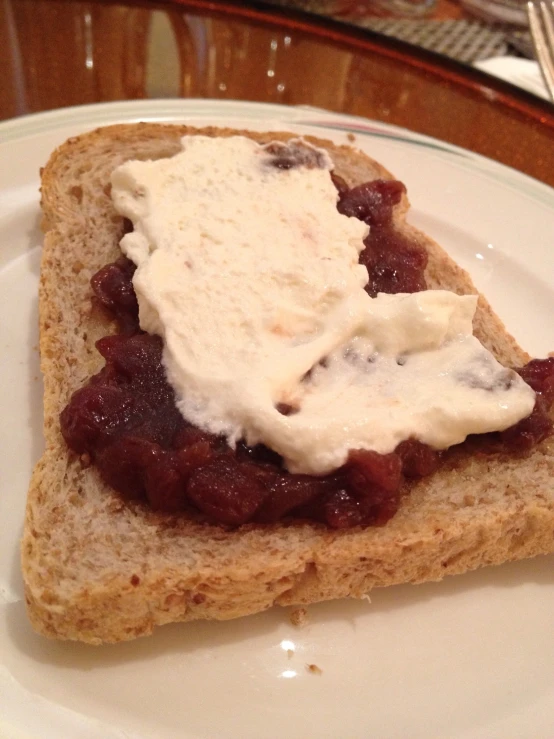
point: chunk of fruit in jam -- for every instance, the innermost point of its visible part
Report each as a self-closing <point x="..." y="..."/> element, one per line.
<point x="113" y="287"/>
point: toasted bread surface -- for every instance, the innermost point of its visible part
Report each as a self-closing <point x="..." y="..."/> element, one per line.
<point x="98" y="570"/>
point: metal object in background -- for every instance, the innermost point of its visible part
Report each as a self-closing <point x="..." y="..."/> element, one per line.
<point x="541" y="23"/>
<point x="498" y="11"/>
<point x="465" y="40"/>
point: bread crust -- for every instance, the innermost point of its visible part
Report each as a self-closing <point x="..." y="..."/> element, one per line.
<point x="98" y="570"/>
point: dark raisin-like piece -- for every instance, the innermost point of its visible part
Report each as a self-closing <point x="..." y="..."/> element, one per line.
<point x="123" y="464"/>
<point x="539" y="374"/>
<point x="294" y="154"/>
<point x="192" y="457"/>
<point x="394" y="263"/>
<point x="370" y="473"/>
<point x="372" y="202"/>
<point x="189" y="435"/>
<point x="96" y="414"/>
<point x="113" y="286"/>
<point x="137" y="359"/>
<point x="165" y="487"/>
<point x="341" y="510"/>
<point x="418" y="460"/>
<point x="227" y="490"/>
<point x="529" y="431"/>
<point x="291" y="492"/>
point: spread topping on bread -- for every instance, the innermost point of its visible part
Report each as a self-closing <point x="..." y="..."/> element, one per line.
<point x="99" y="570"/>
<point x="250" y="275"/>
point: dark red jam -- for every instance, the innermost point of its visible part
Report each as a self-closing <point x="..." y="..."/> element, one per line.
<point x="125" y="419"/>
<point x="294" y="154"/>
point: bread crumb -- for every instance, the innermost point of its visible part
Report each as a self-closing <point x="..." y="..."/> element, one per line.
<point x="365" y="596"/>
<point x="299" y="617"/>
<point x="115" y="505"/>
<point x="351" y="138"/>
<point x="314" y="669"/>
<point x="290" y="653"/>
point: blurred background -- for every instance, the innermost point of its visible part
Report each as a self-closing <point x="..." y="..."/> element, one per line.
<point x="77" y="52"/>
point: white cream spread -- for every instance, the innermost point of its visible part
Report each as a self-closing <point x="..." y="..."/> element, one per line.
<point x="251" y="276"/>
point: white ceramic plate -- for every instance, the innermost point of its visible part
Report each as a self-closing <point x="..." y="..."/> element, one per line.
<point x="470" y="657"/>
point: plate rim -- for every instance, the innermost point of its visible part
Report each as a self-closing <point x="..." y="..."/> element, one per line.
<point x="173" y="110"/>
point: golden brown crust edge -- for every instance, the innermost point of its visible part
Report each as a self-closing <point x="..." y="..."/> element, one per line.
<point x="133" y="572"/>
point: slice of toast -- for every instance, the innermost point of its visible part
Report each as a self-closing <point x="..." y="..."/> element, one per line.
<point x="99" y="570"/>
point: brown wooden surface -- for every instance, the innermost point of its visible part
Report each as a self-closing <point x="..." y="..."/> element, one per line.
<point x="56" y="53"/>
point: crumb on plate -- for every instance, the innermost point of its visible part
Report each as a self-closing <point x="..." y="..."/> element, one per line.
<point x="314" y="669"/>
<point x="299" y="617"/>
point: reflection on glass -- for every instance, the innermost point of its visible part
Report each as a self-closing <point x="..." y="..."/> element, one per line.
<point x="115" y="51"/>
<point x="89" y="58"/>
<point x="163" y="64"/>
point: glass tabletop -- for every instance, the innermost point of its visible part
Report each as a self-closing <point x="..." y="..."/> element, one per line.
<point x="66" y="52"/>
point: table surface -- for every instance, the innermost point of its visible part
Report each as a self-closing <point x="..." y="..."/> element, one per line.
<point x="58" y="53"/>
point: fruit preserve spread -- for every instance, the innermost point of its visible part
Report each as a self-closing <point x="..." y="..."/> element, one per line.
<point x="250" y="275"/>
<point x="127" y="421"/>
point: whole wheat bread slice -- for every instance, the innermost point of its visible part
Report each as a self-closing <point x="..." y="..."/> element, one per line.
<point x="98" y="570"/>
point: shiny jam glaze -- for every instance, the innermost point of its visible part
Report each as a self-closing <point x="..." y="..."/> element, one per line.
<point x="125" y="418"/>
